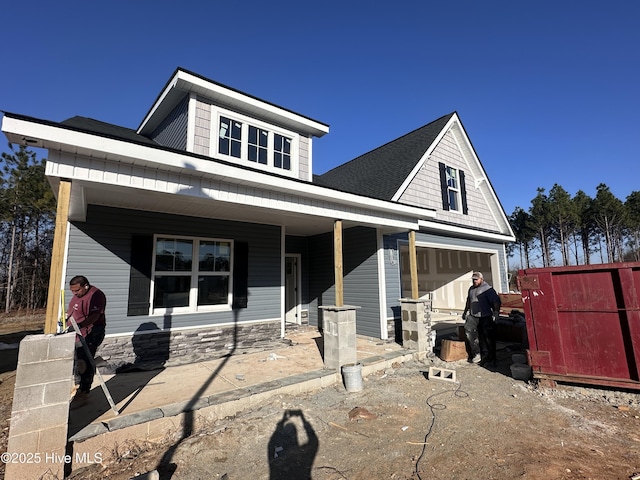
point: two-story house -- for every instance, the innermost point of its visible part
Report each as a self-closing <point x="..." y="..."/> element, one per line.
<point x="207" y="229"/>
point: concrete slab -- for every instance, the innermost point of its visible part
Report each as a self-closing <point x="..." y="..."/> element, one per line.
<point x="145" y="397"/>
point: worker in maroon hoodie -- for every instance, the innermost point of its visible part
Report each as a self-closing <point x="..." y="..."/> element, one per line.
<point x="87" y="307"/>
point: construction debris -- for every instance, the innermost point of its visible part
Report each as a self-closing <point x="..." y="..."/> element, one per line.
<point x="360" y="412"/>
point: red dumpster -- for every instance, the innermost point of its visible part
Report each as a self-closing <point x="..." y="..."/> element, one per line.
<point x="583" y="323"/>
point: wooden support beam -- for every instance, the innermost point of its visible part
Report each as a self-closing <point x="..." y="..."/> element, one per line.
<point x="337" y="262"/>
<point x="57" y="257"/>
<point x="413" y="264"/>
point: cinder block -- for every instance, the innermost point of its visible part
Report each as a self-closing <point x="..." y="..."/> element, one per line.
<point x="61" y="346"/>
<point x="29" y="396"/>
<point x="52" y="439"/>
<point x="43" y="372"/>
<point x="33" y="348"/>
<point x="26" y="442"/>
<point x="442" y="374"/>
<point x="39" y="418"/>
<point x="58" y="392"/>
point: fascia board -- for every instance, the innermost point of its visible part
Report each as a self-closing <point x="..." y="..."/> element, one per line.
<point x="56" y="138"/>
<point x="161" y="98"/>
<point x="190" y="83"/>
<point x="452" y="229"/>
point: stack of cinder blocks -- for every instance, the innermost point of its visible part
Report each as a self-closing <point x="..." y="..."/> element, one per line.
<point x="339" y="329"/>
<point x="40" y="412"/>
<point x="416" y="325"/>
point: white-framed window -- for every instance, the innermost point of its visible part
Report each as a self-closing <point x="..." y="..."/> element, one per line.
<point x="262" y="145"/>
<point x="258" y="145"/>
<point x="282" y="152"/>
<point x="191" y="274"/>
<point x="453" y="189"/>
<point x="230" y="142"/>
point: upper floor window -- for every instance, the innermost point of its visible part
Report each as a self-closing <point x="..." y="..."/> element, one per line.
<point x="248" y="139"/>
<point x="258" y="145"/>
<point x="282" y="152"/>
<point x="230" y="137"/>
<point x="454" y="193"/>
<point x="453" y="190"/>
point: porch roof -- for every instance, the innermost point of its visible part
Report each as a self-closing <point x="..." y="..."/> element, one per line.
<point x="115" y="166"/>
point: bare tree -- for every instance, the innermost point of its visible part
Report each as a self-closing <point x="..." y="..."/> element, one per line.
<point x="28" y="213"/>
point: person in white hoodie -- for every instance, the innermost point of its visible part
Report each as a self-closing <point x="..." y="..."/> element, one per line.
<point x="480" y="314"/>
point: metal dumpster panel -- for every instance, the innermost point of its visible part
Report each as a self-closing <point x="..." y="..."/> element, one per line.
<point x="583" y="322"/>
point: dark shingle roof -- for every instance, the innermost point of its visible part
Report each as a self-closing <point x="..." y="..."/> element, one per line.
<point x="380" y="172"/>
<point x="90" y="125"/>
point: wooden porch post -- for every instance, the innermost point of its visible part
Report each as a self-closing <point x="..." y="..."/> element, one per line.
<point x="57" y="257"/>
<point x="337" y="262"/>
<point x="413" y="264"/>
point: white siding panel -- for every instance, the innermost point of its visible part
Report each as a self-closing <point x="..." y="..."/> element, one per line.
<point x="424" y="190"/>
<point x="304" y="158"/>
<point x="202" y="138"/>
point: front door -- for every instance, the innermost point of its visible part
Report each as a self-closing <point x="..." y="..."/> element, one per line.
<point x="291" y="290"/>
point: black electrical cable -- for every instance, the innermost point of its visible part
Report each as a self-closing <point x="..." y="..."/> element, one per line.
<point x="457" y="392"/>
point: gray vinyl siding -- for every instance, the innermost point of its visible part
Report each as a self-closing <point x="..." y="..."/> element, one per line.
<point x="360" y="263"/>
<point x="393" y="268"/>
<point x="321" y="281"/>
<point x="100" y="249"/>
<point x="172" y="132"/>
<point x="361" y="286"/>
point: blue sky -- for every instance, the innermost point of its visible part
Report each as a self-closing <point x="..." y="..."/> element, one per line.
<point x="547" y="91"/>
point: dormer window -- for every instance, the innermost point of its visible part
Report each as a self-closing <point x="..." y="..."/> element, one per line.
<point x="255" y="142"/>
<point x="282" y="152"/>
<point x="258" y="145"/>
<point x="230" y="137"/>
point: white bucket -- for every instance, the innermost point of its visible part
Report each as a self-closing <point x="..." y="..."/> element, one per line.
<point x="352" y="375"/>
<point x="521" y="371"/>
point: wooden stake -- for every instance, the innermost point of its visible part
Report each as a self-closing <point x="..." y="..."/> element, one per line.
<point x="337" y="261"/>
<point x="57" y="257"/>
<point x="413" y="264"/>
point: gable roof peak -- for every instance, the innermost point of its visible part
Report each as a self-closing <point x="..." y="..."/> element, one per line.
<point x="380" y="172"/>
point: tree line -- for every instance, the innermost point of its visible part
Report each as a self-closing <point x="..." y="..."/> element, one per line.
<point x="27" y="221"/>
<point x="559" y="229"/>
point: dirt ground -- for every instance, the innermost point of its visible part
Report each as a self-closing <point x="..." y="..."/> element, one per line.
<point x="402" y="426"/>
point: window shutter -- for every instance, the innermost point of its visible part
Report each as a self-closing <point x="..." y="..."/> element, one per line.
<point x="443" y="186"/>
<point x="240" y="275"/>
<point x="140" y="275"/>
<point x="463" y="193"/>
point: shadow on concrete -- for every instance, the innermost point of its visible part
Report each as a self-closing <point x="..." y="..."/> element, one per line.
<point x="166" y="466"/>
<point x="151" y="348"/>
<point x="397" y="324"/>
<point x="320" y="344"/>
<point x="292" y="447"/>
